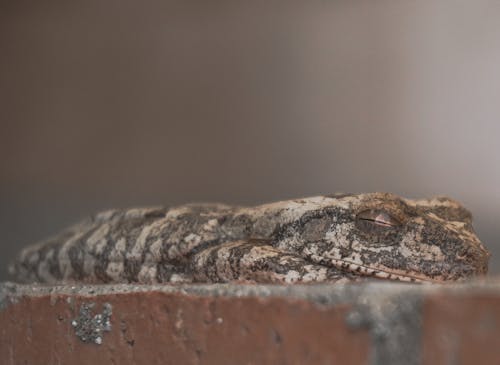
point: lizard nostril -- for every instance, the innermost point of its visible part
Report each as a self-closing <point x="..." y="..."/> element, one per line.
<point x="474" y="257"/>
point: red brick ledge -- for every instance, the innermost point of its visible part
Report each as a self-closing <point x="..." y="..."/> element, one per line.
<point x="374" y="323"/>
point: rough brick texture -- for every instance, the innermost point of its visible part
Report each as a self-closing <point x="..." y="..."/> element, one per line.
<point x="376" y="323"/>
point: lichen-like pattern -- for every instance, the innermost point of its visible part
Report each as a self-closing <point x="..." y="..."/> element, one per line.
<point x="90" y="328"/>
<point x="342" y="237"/>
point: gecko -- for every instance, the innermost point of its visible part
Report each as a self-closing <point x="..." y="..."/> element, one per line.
<point x="335" y="238"/>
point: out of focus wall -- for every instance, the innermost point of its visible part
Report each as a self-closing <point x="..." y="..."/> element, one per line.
<point x="122" y="103"/>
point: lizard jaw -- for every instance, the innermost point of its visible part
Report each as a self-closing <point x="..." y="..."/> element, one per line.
<point x="385" y="274"/>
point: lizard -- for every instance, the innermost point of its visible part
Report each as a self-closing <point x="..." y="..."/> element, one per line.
<point x="336" y="238"/>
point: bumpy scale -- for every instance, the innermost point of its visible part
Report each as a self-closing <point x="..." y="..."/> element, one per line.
<point x="337" y="238"/>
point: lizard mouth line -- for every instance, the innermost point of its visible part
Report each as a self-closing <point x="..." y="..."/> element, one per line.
<point x="377" y="273"/>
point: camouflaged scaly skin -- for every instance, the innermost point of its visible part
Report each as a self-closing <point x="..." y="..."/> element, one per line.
<point x="305" y="240"/>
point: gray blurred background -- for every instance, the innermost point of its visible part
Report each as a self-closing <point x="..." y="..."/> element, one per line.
<point x="125" y="103"/>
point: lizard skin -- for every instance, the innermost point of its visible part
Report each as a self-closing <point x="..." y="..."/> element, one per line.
<point x="336" y="238"/>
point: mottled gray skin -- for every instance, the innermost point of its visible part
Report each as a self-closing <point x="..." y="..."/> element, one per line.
<point x="317" y="239"/>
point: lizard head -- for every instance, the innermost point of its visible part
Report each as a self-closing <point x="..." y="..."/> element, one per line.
<point x="386" y="236"/>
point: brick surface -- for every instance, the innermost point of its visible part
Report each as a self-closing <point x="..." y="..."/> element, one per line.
<point x="375" y="323"/>
<point x="170" y="328"/>
<point x="462" y="328"/>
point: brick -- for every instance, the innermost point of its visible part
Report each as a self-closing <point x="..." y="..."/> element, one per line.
<point x="462" y="328"/>
<point x="372" y="323"/>
<point x="154" y="327"/>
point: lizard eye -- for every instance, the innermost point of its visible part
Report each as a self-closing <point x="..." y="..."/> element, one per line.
<point x="375" y="220"/>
